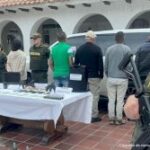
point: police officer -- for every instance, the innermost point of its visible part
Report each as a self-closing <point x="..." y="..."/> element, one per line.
<point x="39" y="54"/>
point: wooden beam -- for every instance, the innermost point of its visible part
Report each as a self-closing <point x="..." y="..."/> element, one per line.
<point x="53" y="7"/>
<point x="70" y="6"/>
<point x="106" y="2"/>
<point x="1" y="12"/>
<point x="10" y="10"/>
<point x="24" y="9"/>
<point x="38" y="8"/>
<point x="129" y="1"/>
<point x="87" y="4"/>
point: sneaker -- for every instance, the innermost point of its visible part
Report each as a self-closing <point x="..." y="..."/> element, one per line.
<point x="95" y="120"/>
<point x="112" y="122"/>
<point x="120" y="122"/>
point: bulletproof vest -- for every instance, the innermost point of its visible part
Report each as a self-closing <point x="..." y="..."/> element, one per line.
<point x="39" y="57"/>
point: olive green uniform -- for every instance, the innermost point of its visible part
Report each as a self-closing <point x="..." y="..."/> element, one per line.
<point x="39" y="63"/>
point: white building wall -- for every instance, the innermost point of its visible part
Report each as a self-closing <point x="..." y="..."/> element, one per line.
<point x="119" y="14"/>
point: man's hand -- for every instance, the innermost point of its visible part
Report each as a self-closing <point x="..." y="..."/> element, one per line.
<point x="51" y="64"/>
<point x="131" y="107"/>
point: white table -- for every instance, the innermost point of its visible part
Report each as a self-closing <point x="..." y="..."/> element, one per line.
<point x="20" y="105"/>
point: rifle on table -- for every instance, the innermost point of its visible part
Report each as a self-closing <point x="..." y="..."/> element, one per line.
<point x="128" y="66"/>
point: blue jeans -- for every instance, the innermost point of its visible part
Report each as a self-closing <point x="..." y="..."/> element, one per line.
<point x="61" y="81"/>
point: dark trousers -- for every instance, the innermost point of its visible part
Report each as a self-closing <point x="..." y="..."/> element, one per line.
<point x="1" y="75"/>
<point x="39" y="76"/>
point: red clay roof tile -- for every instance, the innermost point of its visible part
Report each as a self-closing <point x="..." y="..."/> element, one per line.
<point x="10" y="3"/>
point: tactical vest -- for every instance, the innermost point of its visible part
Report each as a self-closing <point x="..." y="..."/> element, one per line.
<point x="39" y="58"/>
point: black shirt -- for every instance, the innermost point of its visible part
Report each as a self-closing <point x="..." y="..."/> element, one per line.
<point x="91" y="56"/>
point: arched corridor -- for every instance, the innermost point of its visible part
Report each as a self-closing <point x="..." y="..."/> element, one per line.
<point x="95" y="22"/>
<point x="10" y="31"/>
<point x="48" y="28"/>
<point x="140" y="21"/>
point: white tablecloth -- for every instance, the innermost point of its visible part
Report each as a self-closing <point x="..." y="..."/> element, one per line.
<point x="20" y="105"/>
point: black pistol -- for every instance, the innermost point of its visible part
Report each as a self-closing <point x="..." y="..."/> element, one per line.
<point x="50" y="87"/>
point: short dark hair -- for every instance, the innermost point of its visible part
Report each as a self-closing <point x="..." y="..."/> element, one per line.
<point x="16" y="44"/>
<point x="119" y="37"/>
<point x="61" y="36"/>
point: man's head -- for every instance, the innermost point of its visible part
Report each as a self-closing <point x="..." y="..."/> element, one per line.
<point x="90" y="36"/>
<point x="16" y="45"/>
<point x="119" y="37"/>
<point x="37" y="39"/>
<point x="61" y="36"/>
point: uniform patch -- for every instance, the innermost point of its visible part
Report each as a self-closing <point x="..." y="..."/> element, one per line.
<point x="35" y="54"/>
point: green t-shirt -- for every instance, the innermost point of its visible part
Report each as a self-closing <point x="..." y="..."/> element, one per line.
<point x="60" y="54"/>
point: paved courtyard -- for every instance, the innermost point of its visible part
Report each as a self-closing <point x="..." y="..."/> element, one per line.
<point x="96" y="136"/>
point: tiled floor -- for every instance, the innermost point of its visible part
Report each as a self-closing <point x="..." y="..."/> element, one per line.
<point x="96" y="136"/>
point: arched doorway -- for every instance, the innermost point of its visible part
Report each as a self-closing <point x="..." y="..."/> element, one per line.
<point x="95" y="22"/>
<point x="140" y="21"/>
<point x="48" y="28"/>
<point x="10" y="31"/>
